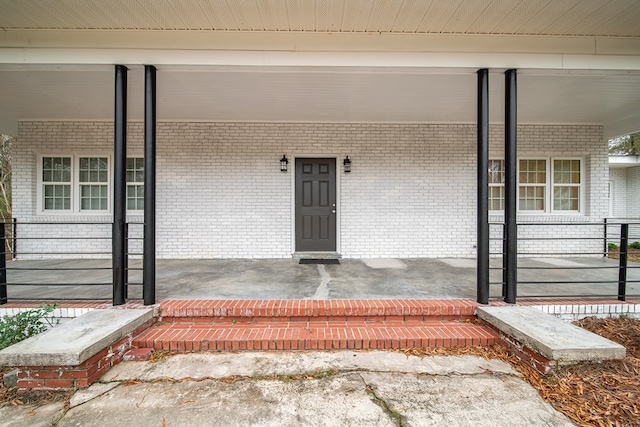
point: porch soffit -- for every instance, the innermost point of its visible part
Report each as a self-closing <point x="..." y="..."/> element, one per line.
<point x="329" y="94"/>
<point x="617" y="18"/>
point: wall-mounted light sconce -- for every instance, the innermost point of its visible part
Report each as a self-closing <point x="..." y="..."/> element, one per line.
<point x="283" y="163"/>
<point x="347" y="165"/>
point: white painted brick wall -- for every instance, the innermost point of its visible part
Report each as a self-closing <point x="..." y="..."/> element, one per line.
<point x="618" y="178"/>
<point x="411" y="192"/>
<point x="626" y="200"/>
<point x="633" y="192"/>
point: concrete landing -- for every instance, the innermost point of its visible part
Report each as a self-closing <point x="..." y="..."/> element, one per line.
<point x="556" y="340"/>
<point x="72" y="343"/>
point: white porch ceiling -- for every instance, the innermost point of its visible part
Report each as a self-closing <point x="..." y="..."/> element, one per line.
<point x="611" y="18"/>
<point x="340" y="94"/>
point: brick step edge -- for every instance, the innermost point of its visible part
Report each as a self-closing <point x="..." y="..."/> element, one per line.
<point x="185" y="339"/>
<point x="315" y="308"/>
<point x="230" y="320"/>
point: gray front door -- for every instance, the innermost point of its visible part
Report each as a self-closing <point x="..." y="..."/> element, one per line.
<point x="315" y="205"/>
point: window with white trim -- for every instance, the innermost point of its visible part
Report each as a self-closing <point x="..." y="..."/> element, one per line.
<point x="545" y="185"/>
<point x="135" y="183"/>
<point x="496" y="185"/>
<point x="56" y="183"/>
<point x="566" y="185"/>
<point x="93" y="179"/>
<point x="81" y="184"/>
<point x="74" y="184"/>
<point x="532" y="185"/>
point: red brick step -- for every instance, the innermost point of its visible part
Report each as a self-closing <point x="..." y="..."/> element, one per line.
<point x="218" y="325"/>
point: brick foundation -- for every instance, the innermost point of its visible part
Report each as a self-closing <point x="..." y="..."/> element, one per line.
<point x="525" y="354"/>
<point x="40" y="378"/>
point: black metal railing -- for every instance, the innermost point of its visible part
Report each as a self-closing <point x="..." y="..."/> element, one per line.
<point x="63" y="260"/>
<point x="537" y="242"/>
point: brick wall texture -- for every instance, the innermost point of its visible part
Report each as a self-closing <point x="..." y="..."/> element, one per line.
<point x="220" y="192"/>
<point x="633" y="192"/>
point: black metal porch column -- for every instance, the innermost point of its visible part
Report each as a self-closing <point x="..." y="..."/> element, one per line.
<point x="3" y="264"/>
<point x="483" y="187"/>
<point x="510" y="262"/>
<point x="149" y="250"/>
<point x="119" y="185"/>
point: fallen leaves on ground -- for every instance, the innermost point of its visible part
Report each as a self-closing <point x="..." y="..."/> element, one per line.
<point x="633" y="254"/>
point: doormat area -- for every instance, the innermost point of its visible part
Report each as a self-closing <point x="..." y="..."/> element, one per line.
<point x="319" y="261"/>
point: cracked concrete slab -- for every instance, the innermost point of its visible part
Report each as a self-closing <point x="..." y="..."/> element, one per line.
<point x="95" y="390"/>
<point x="491" y="400"/>
<point x="220" y="365"/>
<point x="30" y="415"/>
<point x="339" y="400"/>
<point x="346" y="388"/>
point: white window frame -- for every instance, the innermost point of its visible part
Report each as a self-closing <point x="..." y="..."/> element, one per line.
<point x="580" y="187"/>
<point x="41" y="183"/>
<point x="79" y="185"/>
<point x="134" y="211"/>
<point x="497" y="185"/>
<point x="546" y="186"/>
<point x="75" y="186"/>
<point x="549" y="186"/>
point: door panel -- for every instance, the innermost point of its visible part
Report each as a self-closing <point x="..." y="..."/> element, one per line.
<point x="315" y="205"/>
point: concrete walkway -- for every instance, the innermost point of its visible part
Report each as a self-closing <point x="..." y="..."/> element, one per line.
<point x="351" y="279"/>
<point x="300" y="389"/>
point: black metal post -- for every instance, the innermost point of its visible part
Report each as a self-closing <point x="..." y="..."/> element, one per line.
<point x="622" y="271"/>
<point x="3" y="266"/>
<point x="119" y="184"/>
<point x="605" y="251"/>
<point x="126" y="260"/>
<point x="504" y="260"/>
<point x="149" y="240"/>
<point x="483" y="187"/>
<point x="14" y="240"/>
<point x="511" y="186"/>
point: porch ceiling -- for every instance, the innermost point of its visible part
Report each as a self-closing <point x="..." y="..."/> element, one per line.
<point x="314" y="94"/>
<point x="617" y="18"/>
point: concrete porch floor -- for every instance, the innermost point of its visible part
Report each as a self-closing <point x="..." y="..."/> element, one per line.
<point x="287" y="279"/>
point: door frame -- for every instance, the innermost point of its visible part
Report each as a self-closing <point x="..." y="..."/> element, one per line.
<point x="296" y="156"/>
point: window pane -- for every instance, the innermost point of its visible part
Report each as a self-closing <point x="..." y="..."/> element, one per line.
<point x="496" y="185"/>
<point x="566" y="171"/>
<point x="93" y="169"/>
<point x="135" y="169"/>
<point x="532" y="198"/>
<point x="56" y="169"/>
<point x="533" y="171"/>
<point x="496" y="171"/>
<point x="566" y="185"/>
<point x="496" y="198"/>
<point x="57" y="197"/>
<point x="135" y="197"/>
<point x="566" y="198"/>
<point x="93" y="197"/>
